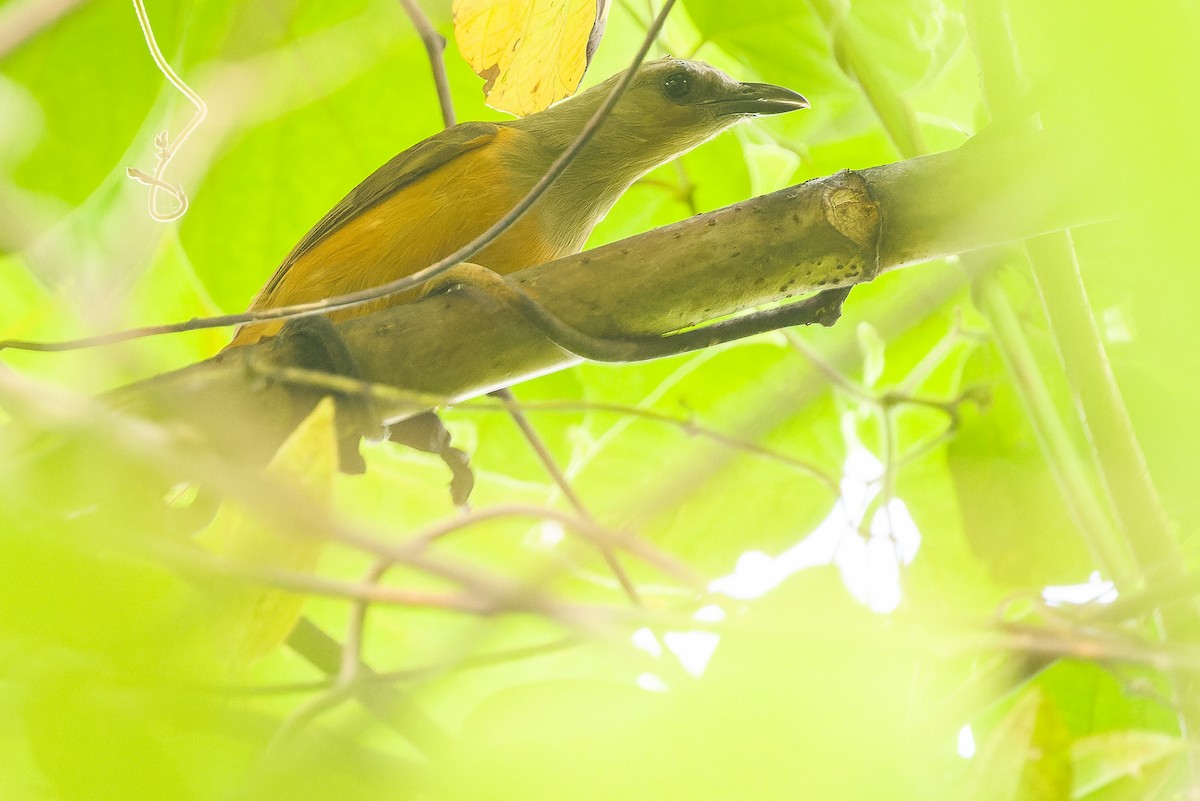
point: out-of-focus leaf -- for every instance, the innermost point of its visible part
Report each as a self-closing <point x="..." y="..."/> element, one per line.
<point x="705" y="500"/>
<point x="1026" y="756"/>
<point x="259" y="618"/>
<point x="335" y="116"/>
<point x="1136" y="759"/>
<point x="1064" y="50"/>
<point x="24" y="305"/>
<point x="771" y="34"/>
<point x="85" y="128"/>
<point x="1013" y="513"/>
<point x="821" y="705"/>
<point x="1155" y="367"/>
<point x="1093" y="700"/>
<point x="802" y="698"/>
<point x="530" y="52"/>
<point x="83" y="736"/>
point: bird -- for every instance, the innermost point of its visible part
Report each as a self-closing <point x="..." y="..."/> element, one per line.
<point x="444" y="191"/>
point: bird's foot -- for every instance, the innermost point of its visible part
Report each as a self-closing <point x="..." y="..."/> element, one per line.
<point x="824" y="308"/>
<point x="315" y="344"/>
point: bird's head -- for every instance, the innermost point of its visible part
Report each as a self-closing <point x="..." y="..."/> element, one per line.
<point x="688" y="102"/>
<point x="671" y="106"/>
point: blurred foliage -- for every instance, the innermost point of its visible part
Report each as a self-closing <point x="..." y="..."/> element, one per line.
<point x="929" y="479"/>
<point x="258" y="619"/>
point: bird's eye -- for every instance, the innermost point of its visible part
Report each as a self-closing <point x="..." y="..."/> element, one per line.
<point x="677" y="85"/>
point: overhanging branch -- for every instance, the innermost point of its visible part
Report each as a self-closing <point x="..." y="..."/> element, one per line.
<point x="818" y="235"/>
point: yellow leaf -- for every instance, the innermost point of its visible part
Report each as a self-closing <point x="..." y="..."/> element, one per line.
<point x="258" y="619"/>
<point x="531" y="53"/>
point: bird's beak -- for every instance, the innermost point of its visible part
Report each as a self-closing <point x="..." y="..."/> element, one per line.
<point x="761" y="98"/>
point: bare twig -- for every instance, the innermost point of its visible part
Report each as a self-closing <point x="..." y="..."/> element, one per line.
<point x="473" y="662"/>
<point x="535" y="441"/>
<point x="393" y="402"/>
<point x="835" y="376"/>
<point x="199" y="562"/>
<point x="1093" y="646"/>
<point x="435" y="48"/>
<point x="593" y="532"/>
<point x="686" y="425"/>
<point x="290" y="510"/>
<point x="350" y="671"/>
<point x="393" y="398"/>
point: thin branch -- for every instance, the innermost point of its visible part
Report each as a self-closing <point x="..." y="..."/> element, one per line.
<point x="400" y="285"/>
<point x="887" y="399"/>
<point x="884" y="404"/>
<point x="481" y="660"/>
<point x="593" y="532"/>
<point x="601" y="537"/>
<point x="686" y="425"/>
<point x="835" y="376"/>
<point x="171" y="454"/>
<point x="889" y="456"/>
<point x="435" y="48"/>
<point x="939" y="353"/>
<point x="535" y="441"/>
<point x="395" y="709"/>
<point x="472" y="662"/>
<point x="509" y="597"/>
<point x="1092" y="646"/>
<point x="199" y="562"/>
<point x="393" y="403"/>
<point x="350" y="670"/>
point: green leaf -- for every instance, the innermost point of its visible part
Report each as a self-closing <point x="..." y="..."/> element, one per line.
<point x="1137" y="759"/>
<point x="1026" y="756"/>
<point x="259" y="618"/>
<point x="1013" y="513"/>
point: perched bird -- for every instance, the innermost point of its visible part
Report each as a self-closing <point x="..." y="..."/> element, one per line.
<point x="443" y="192"/>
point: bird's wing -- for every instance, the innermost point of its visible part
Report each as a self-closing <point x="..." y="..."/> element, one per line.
<point x="420" y="159"/>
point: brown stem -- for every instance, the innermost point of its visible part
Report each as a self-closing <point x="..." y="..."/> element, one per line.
<point x="435" y="48"/>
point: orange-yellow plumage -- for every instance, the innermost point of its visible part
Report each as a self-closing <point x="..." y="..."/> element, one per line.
<point x="419" y="224"/>
<point x="440" y="194"/>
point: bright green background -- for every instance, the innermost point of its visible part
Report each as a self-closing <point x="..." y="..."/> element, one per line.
<point x="107" y="659"/>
